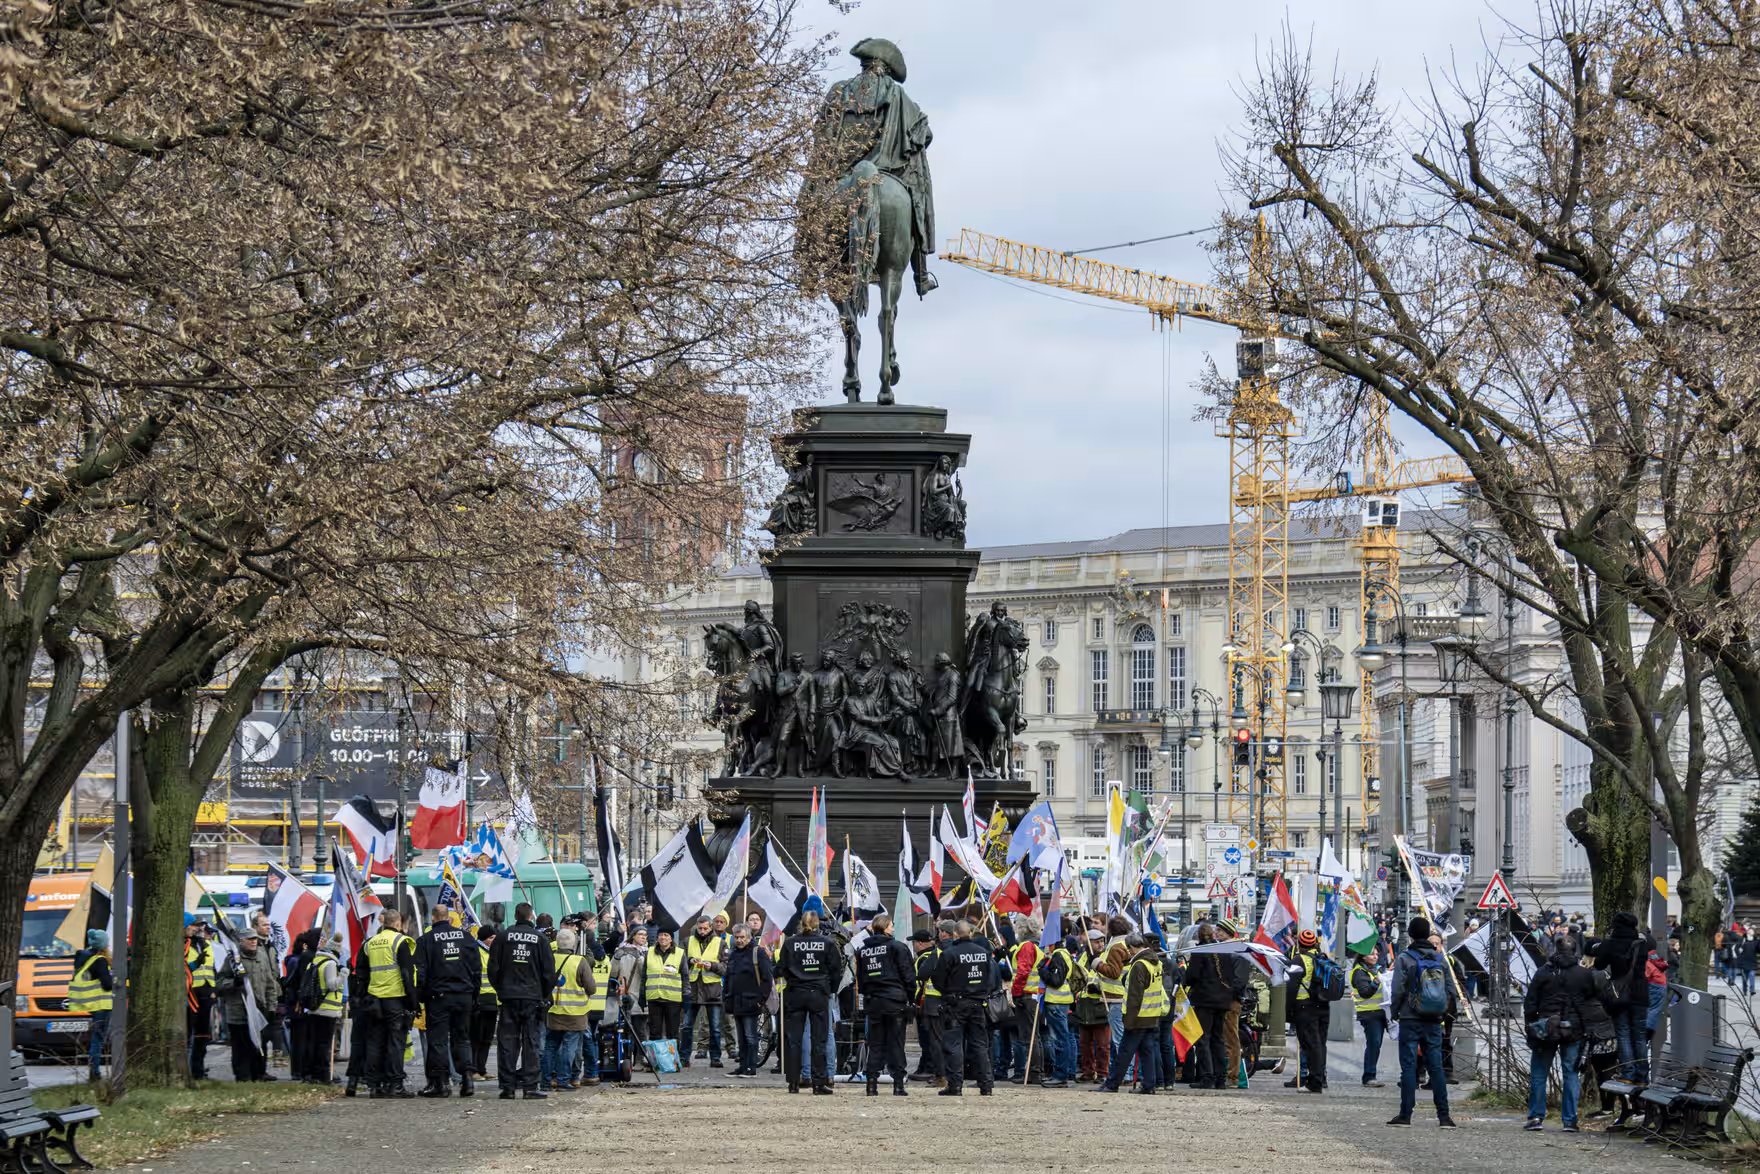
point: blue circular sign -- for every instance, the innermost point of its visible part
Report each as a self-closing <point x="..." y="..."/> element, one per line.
<point x="1232" y="855"/>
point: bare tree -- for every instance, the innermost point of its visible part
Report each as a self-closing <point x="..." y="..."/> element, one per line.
<point x="448" y="334"/>
<point x="1551" y="272"/>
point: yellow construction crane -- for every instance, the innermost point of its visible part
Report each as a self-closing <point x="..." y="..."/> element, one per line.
<point x="1258" y="428"/>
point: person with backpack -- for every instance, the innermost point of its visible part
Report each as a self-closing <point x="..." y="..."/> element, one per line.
<point x="1315" y="983"/>
<point x="293" y="1007"/>
<point x="322" y="982"/>
<point x="1420" y="998"/>
<point x="1553" y="1012"/>
<point x="1622" y="954"/>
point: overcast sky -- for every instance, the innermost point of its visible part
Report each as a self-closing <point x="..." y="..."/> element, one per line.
<point x="1080" y="124"/>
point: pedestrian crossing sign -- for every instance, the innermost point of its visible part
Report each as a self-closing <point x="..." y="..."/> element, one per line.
<point x="1497" y="894"/>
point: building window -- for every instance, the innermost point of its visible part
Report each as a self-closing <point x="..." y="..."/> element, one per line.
<point x="1050" y="694"/>
<point x="1098" y="688"/>
<point x="1332" y="618"/>
<point x="1298" y="777"/>
<point x="1175" y="623"/>
<point x="1099" y="628"/>
<point x="1142" y="764"/>
<point x="1143" y="667"/>
<point x="1176" y="677"/>
<point x="1049" y="773"/>
<point x="1300" y="621"/>
<point x="1050" y="633"/>
<point x="1098" y="786"/>
<point x="1176" y="768"/>
<point x="1298" y="839"/>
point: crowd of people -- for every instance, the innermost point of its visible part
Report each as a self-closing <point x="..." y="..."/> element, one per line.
<point x="992" y="1000"/>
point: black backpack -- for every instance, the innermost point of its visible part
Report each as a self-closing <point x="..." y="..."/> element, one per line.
<point x="311" y="991"/>
<point x="1053" y="971"/>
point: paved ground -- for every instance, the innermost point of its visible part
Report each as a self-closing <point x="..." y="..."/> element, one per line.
<point x="703" y="1118"/>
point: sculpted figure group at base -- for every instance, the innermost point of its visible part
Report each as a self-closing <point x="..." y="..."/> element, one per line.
<point x="872" y="716"/>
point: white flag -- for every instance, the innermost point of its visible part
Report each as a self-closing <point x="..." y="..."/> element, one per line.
<point x="775" y="890"/>
<point x="733" y="869"/>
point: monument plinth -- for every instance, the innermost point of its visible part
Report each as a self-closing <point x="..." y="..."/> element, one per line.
<point x="871" y="691"/>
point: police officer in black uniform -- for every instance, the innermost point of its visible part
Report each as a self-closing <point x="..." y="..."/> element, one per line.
<point x="448" y="972"/>
<point x="523" y="972"/>
<point x="965" y="976"/>
<point x="813" y="966"/>
<point x="885" y="977"/>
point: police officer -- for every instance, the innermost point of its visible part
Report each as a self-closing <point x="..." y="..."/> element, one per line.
<point x="813" y="966"/>
<point x="523" y="972"/>
<point x="449" y="973"/>
<point x="385" y="989"/>
<point x="198" y="957"/>
<point x="965" y="976"/>
<point x="885" y="978"/>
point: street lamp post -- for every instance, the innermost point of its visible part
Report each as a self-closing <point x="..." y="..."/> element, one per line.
<point x="1168" y="745"/>
<point x="397" y="694"/>
<point x="1195" y="738"/>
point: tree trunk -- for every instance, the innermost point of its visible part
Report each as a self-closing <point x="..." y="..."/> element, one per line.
<point x="1614" y="829"/>
<point x="19" y="846"/>
<point x="1701" y="911"/>
<point x="165" y="804"/>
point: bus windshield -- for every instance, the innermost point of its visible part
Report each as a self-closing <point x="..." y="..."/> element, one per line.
<point x="39" y="935"/>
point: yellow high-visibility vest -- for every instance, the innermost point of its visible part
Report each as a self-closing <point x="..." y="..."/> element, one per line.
<point x="1154" y="1004"/>
<point x="1110" y="988"/>
<point x="1062" y="996"/>
<point x="694" y="951"/>
<point x="384" y="975"/>
<point x="332" y="1000"/>
<point x="1375" y="1001"/>
<point x="200" y="960"/>
<point x="85" y="994"/>
<point x="661" y="978"/>
<point x="929" y="991"/>
<point x="484" y="986"/>
<point x="571" y="992"/>
<point x="601" y="984"/>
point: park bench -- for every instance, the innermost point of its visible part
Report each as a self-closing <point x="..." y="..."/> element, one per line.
<point x="27" y="1132"/>
<point x="1686" y="1106"/>
<point x="1627" y="1091"/>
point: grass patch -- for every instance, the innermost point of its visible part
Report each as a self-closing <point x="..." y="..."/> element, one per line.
<point x="151" y="1121"/>
<point x="1486" y="1097"/>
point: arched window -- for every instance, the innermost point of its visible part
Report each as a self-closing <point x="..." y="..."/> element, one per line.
<point x="1143" y="667"/>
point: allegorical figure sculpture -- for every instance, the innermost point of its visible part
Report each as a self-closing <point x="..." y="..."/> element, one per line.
<point x="867" y="204"/>
<point x="794" y="510"/>
<point x="944" y="503"/>
<point x="865" y="731"/>
<point x="830" y="696"/>
<point x="995" y="664"/>
<point x="904" y="697"/>
<point x="794" y="722"/>
<point x="946" y="742"/>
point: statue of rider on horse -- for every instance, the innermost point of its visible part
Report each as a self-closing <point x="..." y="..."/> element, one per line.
<point x="868" y="201"/>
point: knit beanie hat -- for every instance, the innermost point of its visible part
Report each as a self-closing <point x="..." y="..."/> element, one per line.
<point x="1419" y="929"/>
<point x="97" y="939"/>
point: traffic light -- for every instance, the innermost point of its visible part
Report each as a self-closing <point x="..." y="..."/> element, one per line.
<point x="1243" y="747"/>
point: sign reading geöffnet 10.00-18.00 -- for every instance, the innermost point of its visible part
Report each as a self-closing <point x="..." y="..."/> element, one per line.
<point x="358" y="752"/>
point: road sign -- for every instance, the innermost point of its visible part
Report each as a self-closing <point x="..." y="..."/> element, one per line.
<point x="1221" y="833"/>
<point x="1497" y="894"/>
<point x="1250" y="844"/>
<point x="1278" y="853"/>
<point x="1218" y="888"/>
<point x="1381" y="873"/>
<point x="1232" y="856"/>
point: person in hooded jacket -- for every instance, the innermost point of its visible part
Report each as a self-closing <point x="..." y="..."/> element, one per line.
<point x="1622" y="954"/>
<point x="1553" y="1012"/>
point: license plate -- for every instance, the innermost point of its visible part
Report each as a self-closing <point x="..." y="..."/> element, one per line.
<point x="71" y="1026"/>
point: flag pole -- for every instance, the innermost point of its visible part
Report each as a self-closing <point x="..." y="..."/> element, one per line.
<point x="1027" y="1076"/>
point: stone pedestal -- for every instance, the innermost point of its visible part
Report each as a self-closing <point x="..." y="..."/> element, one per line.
<point x="872" y="577"/>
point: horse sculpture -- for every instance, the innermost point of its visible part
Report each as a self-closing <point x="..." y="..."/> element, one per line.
<point x="744" y="707"/>
<point x="877" y="251"/>
<point x="996" y="649"/>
